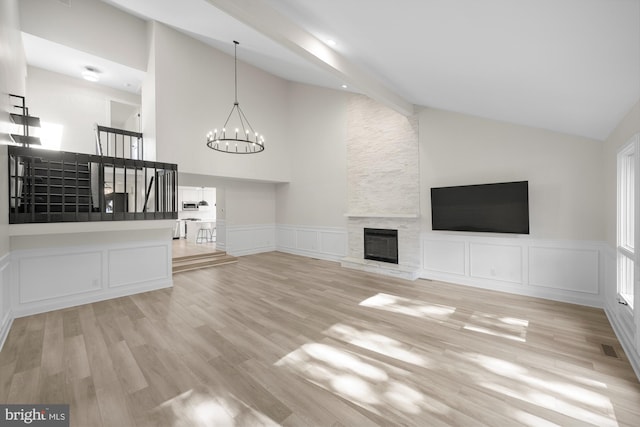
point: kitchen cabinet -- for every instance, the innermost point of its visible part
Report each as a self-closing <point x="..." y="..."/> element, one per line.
<point x="197" y="194"/>
<point x="189" y="195"/>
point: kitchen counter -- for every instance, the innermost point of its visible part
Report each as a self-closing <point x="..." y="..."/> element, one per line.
<point x="188" y="227"/>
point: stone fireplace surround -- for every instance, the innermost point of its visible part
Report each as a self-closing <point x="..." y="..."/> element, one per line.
<point x="408" y="227"/>
<point x="383" y="183"/>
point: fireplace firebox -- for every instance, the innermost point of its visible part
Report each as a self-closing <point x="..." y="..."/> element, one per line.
<point x="381" y="245"/>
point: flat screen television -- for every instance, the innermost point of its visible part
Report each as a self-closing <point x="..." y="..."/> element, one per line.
<point x="497" y="208"/>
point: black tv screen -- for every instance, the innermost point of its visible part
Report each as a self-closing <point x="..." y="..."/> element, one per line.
<point x="497" y="208"/>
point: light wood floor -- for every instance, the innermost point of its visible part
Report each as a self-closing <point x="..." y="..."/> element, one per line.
<point x="283" y="340"/>
<point x="183" y="247"/>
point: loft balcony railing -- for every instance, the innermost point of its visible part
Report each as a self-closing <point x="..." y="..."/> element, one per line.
<point x="119" y="143"/>
<point x="58" y="186"/>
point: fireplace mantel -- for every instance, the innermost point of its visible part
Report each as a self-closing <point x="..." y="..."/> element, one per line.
<point x="380" y="215"/>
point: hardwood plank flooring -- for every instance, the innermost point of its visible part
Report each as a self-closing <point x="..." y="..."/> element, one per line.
<point x="277" y="339"/>
<point x="184" y="247"/>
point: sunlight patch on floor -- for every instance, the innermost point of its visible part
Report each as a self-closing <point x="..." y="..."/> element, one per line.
<point x="377" y="343"/>
<point x="499" y="366"/>
<point x="408" y="306"/>
<point x="203" y="409"/>
<point x="532" y="420"/>
<point x="373" y="385"/>
<point x="498" y="326"/>
<point x="403" y="397"/>
<point x="345" y="361"/>
<point x="570" y="400"/>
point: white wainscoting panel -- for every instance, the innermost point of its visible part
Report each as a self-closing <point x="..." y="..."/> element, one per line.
<point x="131" y="266"/>
<point x="307" y="240"/>
<point x="221" y="235"/>
<point x="564" y="268"/>
<point x="285" y="238"/>
<point x="333" y="242"/>
<point x="569" y="271"/>
<point x="444" y="256"/>
<point x="59" y="277"/>
<point x="250" y="239"/>
<point x="329" y="243"/>
<point x="52" y="276"/>
<point x="6" y="314"/>
<point x="495" y="262"/>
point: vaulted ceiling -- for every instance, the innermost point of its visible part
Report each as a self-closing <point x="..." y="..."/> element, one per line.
<point x="571" y="66"/>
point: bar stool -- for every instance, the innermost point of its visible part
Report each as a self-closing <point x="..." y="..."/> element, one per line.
<point x="204" y="233"/>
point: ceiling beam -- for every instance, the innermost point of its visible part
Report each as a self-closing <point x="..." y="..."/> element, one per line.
<point x="272" y="24"/>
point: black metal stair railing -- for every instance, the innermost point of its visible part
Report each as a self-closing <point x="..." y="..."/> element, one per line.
<point x="25" y="120"/>
<point x="119" y="143"/>
<point x="58" y="186"/>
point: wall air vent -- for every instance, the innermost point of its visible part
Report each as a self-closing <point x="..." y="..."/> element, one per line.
<point x="609" y="350"/>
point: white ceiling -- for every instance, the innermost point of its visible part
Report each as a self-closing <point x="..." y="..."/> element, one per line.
<point x="571" y="66"/>
<point x="62" y="59"/>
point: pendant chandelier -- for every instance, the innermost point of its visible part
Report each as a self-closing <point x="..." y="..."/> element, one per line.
<point x="240" y="138"/>
<point x="202" y="202"/>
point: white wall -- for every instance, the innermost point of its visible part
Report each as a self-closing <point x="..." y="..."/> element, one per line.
<point x="75" y="104"/>
<point x="91" y="26"/>
<point x="250" y="217"/>
<point x="148" y="101"/>
<point x="565" y="172"/>
<point x="627" y="127"/>
<point x="194" y="94"/>
<point x="316" y="195"/>
<point x="563" y="258"/>
<point x="12" y="80"/>
<point x="250" y="203"/>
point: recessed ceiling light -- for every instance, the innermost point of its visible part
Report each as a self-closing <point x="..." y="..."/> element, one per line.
<point x="331" y="42"/>
<point x="344" y="86"/>
<point x="91" y="74"/>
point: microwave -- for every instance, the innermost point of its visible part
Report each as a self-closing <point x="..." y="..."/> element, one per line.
<point x="189" y="206"/>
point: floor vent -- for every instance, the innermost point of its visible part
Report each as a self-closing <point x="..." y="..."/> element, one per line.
<point x="609" y="350"/>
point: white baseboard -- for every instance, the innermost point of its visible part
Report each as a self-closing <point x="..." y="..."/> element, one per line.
<point x="620" y="317"/>
<point x="625" y="341"/>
